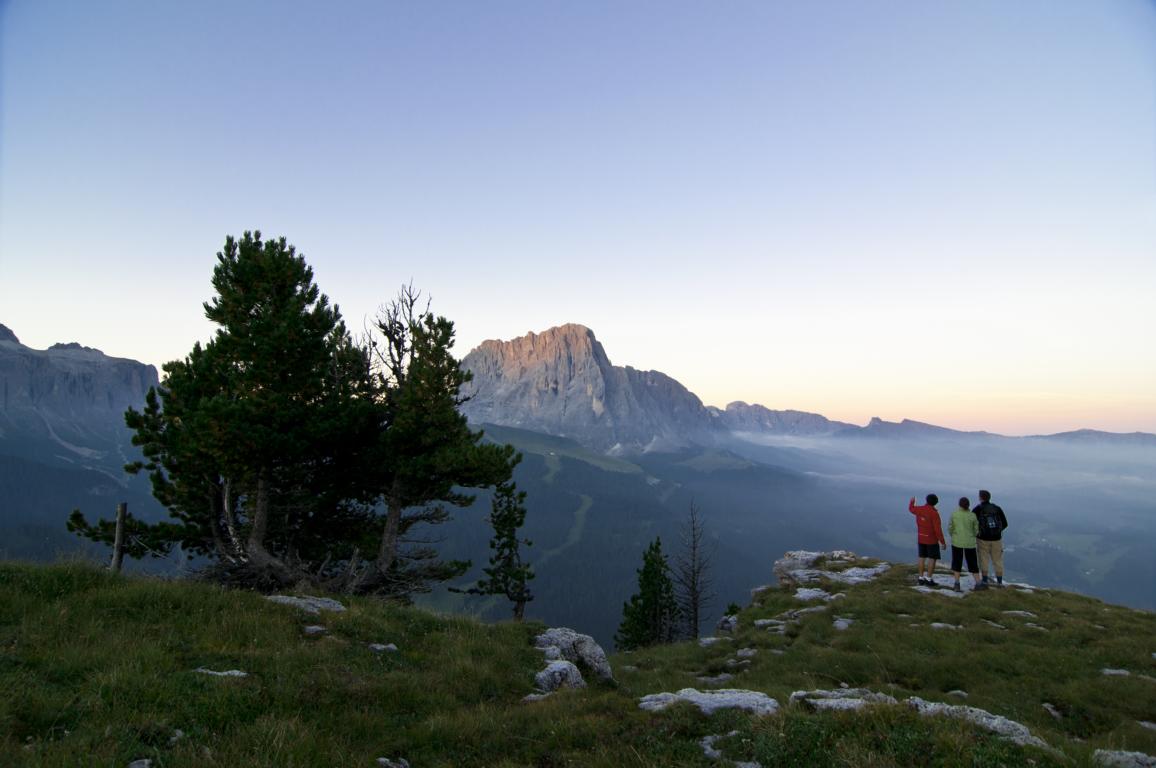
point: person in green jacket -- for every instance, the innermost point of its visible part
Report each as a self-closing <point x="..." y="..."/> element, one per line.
<point x="963" y="527"/>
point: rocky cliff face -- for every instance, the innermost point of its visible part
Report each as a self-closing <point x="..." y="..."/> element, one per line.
<point x="562" y="382"/>
<point x="68" y="401"/>
<point x="740" y="417"/>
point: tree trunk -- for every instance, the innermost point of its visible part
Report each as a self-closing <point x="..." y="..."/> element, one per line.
<point x="118" y="541"/>
<point x="387" y="552"/>
<point x="519" y="610"/>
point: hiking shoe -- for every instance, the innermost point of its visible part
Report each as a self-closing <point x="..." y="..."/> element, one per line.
<point x="956" y="588"/>
<point x="980" y="586"/>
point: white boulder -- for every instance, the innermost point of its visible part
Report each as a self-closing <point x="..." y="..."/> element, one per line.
<point x="711" y="701"/>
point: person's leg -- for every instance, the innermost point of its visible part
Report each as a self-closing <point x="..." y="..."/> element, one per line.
<point x="956" y="563"/>
<point x="972" y="566"/>
<point x="921" y="566"/>
<point x="931" y="570"/>
<point x="997" y="560"/>
<point x="983" y="551"/>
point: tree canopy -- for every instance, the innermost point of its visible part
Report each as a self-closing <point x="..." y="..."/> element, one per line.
<point x="284" y="450"/>
<point x="651" y="614"/>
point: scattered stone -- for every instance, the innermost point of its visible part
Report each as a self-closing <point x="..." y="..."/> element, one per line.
<point x="707" y="642"/>
<point x="386" y="648"/>
<point x="944" y="589"/>
<point x="577" y="648"/>
<point x="732" y="663"/>
<point x="746" y="653"/>
<point x="760" y="590"/>
<point x="178" y="734"/>
<point x="718" y="679"/>
<point x="812" y="609"/>
<point x="226" y="673"/>
<point x="315" y="629"/>
<point x="1030" y="625"/>
<point x="903" y="615"/>
<point x="772" y="625"/>
<point x="711" y="701"/>
<point x="1122" y="759"/>
<point x="841" y="699"/>
<point x="308" y="603"/>
<point x="559" y="674"/>
<point x="1008" y="729"/>
<point x="941" y="625"/>
<point x="1146" y="724"/>
<point x="144" y="762"/>
<point x="1100" y="627"/>
<point x="778" y="651"/>
<point x="958" y="694"/>
<point x="552" y="653"/>
<point x="1021" y="614"/>
<point x="385" y="762"/>
<point x="727" y="624"/>
<point x="989" y="622"/>
<point x="810" y="593"/>
<point x="1115" y="672"/>
<point x="843" y="623"/>
<point x="707" y="744"/>
<point x="629" y="668"/>
<point x="797" y="568"/>
<point x="532" y="697"/>
<point x="1051" y="710"/>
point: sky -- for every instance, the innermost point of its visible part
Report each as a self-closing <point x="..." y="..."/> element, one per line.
<point x="936" y="211"/>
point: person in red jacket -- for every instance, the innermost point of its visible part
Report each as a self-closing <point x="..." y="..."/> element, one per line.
<point x="930" y="536"/>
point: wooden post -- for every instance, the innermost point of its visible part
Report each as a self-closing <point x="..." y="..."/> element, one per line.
<point x="118" y="543"/>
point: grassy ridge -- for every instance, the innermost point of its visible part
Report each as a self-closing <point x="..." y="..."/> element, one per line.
<point x="99" y="670"/>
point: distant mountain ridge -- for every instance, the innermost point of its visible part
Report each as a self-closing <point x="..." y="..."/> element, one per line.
<point x="561" y="382"/>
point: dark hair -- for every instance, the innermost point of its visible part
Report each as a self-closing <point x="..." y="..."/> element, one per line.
<point x="985" y="495"/>
<point x="964" y="503"/>
<point x="932" y="499"/>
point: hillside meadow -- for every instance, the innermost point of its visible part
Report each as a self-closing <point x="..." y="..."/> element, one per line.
<point x="100" y="670"/>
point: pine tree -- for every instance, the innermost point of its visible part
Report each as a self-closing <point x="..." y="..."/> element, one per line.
<point x="508" y="574"/>
<point x="651" y="615"/>
<point x="692" y="577"/>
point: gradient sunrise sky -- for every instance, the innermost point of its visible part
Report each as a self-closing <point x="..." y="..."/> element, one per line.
<point x="943" y="211"/>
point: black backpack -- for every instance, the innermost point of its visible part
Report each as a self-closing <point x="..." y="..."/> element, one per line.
<point x="989" y="523"/>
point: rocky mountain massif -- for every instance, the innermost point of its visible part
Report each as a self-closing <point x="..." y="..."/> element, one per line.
<point x="561" y="382"/>
<point x="63" y="441"/>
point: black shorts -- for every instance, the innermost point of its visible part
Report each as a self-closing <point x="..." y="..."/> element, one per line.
<point x="957" y="555"/>
<point x="930" y="551"/>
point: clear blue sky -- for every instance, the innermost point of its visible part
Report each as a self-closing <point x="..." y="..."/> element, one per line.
<point x="844" y="207"/>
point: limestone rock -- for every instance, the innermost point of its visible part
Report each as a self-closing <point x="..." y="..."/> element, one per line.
<point x="807" y="593"/>
<point x="144" y="762"/>
<point x="706" y="642"/>
<point x="719" y="679"/>
<point x="1109" y="672"/>
<point x="958" y="694"/>
<point x="1051" y="710"/>
<point x="559" y="674"/>
<point x="383" y="647"/>
<point x="308" y="603"/>
<point x="941" y="625"/>
<point x="226" y="673"/>
<point x="840" y="699"/>
<point x="1121" y="759"/>
<point x="711" y="701"/>
<point x="577" y="648"/>
<point x="746" y="653"/>
<point x="1021" y="614"/>
<point x="727" y="624"/>
<point x="385" y="762"/>
<point x="315" y="629"/>
<point x="1008" y="729"/>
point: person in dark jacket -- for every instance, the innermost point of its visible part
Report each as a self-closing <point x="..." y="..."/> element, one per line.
<point x="989" y="540"/>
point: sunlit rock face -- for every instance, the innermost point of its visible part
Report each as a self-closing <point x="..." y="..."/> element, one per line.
<point x="561" y="382"/>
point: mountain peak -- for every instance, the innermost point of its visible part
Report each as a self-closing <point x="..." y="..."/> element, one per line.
<point x="6" y="334"/>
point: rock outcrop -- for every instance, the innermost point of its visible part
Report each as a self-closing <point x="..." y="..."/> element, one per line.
<point x="565" y="643"/>
<point x="710" y="702"/>
<point x="561" y="382"/>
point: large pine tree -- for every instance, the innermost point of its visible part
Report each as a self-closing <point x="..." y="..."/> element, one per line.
<point x="651" y="615"/>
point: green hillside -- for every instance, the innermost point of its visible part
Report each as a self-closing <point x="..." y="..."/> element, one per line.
<point x="98" y="670"/>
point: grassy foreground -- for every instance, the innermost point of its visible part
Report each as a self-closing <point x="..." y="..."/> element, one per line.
<point x="97" y="670"/>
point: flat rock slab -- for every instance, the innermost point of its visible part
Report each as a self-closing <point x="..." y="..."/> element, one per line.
<point x="1121" y="759"/>
<point x="842" y="623"/>
<point x="842" y="699"/>
<point x="315" y="629"/>
<point x="941" y="591"/>
<point x="225" y="673"/>
<point x="308" y="603"/>
<point x="1109" y="672"/>
<point x="725" y="677"/>
<point x="991" y="623"/>
<point x="707" y="642"/>
<point x="746" y="653"/>
<point x="710" y="702"/>
<point x="383" y="647"/>
<point x="941" y="625"/>
<point x="1021" y="614"/>
<point x="1008" y="729"/>
<point x="809" y="593"/>
<point x="385" y="762"/>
